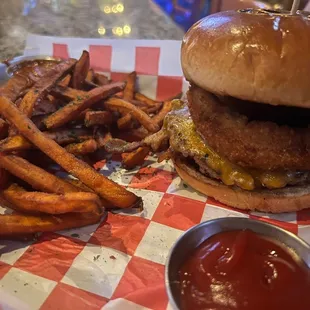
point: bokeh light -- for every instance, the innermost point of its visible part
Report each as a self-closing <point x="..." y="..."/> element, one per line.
<point x="120" y="7"/>
<point x="127" y="29"/>
<point x="101" y="30"/>
<point x="107" y="9"/>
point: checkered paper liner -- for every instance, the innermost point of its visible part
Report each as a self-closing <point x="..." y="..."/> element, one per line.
<point x="118" y="263"/>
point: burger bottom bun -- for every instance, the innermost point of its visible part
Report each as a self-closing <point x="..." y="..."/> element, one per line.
<point x="288" y="199"/>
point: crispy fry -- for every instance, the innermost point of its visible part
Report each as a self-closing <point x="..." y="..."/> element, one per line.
<point x="80" y="71"/>
<point x="45" y="107"/>
<point x="66" y="136"/>
<point x="154" y="109"/>
<point x="15" y="87"/>
<point x="72" y="110"/>
<point x="36" y="202"/>
<point x="150" y="106"/>
<point x="156" y="141"/>
<point x="17" y="224"/>
<point x="67" y="93"/>
<point x="107" y="205"/>
<point x="124" y="122"/>
<point x="62" y="137"/>
<point x="19" y="101"/>
<point x="65" y="81"/>
<point x="28" y="102"/>
<point x="150" y="102"/>
<point x="133" y="134"/>
<point x="118" y="146"/>
<point x="141" y="133"/>
<point x="22" y="80"/>
<point x="129" y="90"/>
<point x="86" y="147"/>
<point x="159" y="118"/>
<point x="14" y="143"/>
<point x="106" y="188"/>
<point x="90" y="77"/>
<point x="144" y="107"/>
<point x="4" y="178"/>
<point x="70" y="135"/>
<point x="93" y="118"/>
<point x="3" y="128"/>
<point x="166" y="155"/>
<point x="80" y="185"/>
<point x="135" y="158"/>
<point x="38" y="178"/>
<point x="101" y="79"/>
<point x="38" y="121"/>
<point x="102" y="137"/>
<point x="43" y="86"/>
<point x="122" y="106"/>
<point x="90" y="85"/>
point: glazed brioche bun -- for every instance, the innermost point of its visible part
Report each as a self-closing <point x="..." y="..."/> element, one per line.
<point x="254" y="55"/>
<point x="288" y="199"/>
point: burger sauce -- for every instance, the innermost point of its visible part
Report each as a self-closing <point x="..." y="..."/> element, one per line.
<point x="244" y="270"/>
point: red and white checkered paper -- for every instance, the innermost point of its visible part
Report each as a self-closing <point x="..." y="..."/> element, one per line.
<point x="119" y="263"/>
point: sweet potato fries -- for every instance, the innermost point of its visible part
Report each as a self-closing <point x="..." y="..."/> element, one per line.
<point x="66" y="113"/>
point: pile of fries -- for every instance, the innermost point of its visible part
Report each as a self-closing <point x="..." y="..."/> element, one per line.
<point x="61" y="115"/>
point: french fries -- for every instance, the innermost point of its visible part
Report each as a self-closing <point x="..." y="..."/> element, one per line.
<point x="80" y="71"/>
<point x="94" y="118"/>
<point x="67" y="93"/>
<point x="159" y="118"/>
<point x="42" y="87"/>
<point x="45" y="107"/>
<point x="38" y="178"/>
<point x="101" y="79"/>
<point x="102" y="137"/>
<point x="65" y="81"/>
<point x="86" y="147"/>
<point x="90" y="76"/>
<point x="62" y="137"/>
<point x="124" y="122"/>
<point x="14" y="143"/>
<point x="19" y="224"/>
<point x="37" y="202"/>
<point x="4" y="178"/>
<point x="122" y="106"/>
<point x="3" y="128"/>
<point x="117" y="146"/>
<point x="129" y="91"/>
<point x="135" y="158"/>
<point x="155" y="142"/>
<point x="70" y="115"/>
<point x="148" y="101"/>
<point x="105" y="188"/>
<point x="74" y="108"/>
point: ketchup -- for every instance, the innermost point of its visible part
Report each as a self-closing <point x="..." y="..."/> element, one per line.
<point x="244" y="270"/>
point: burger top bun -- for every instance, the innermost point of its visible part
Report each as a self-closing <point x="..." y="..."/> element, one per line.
<point x="256" y="55"/>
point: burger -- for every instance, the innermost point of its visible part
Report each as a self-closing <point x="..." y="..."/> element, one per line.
<point x="242" y="134"/>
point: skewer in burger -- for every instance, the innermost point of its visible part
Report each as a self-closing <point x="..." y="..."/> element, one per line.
<point x="242" y="135"/>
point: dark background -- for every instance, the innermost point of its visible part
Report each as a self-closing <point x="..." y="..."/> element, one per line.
<point x="187" y="12"/>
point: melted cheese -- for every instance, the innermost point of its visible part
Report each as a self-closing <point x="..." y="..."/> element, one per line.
<point x="185" y="139"/>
